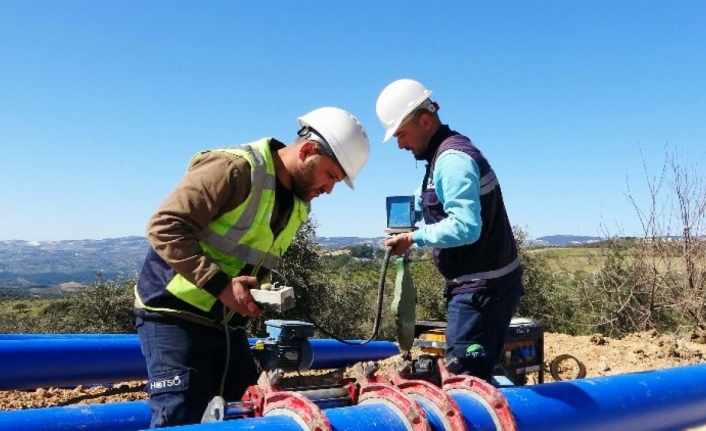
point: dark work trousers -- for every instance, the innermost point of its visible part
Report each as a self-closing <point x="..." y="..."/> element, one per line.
<point x="476" y="328"/>
<point x="185" y="364"/>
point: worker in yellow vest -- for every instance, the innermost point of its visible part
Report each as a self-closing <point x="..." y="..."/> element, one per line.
<point x="220" y="232"/>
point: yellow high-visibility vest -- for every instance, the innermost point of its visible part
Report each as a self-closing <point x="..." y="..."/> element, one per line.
<point x="243" y="235"/>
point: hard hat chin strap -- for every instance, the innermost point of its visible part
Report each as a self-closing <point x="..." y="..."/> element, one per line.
<point x="427" y="105"/>
<point x="310" y="134"/>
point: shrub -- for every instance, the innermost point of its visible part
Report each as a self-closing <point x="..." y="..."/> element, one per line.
<point x="104" y="306"/>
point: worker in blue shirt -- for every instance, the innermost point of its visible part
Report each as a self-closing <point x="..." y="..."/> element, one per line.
<point x="466" y="224"/>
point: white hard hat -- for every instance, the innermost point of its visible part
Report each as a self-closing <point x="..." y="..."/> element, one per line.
<point x="397" y="101"/>
<point x="344" y="135"/>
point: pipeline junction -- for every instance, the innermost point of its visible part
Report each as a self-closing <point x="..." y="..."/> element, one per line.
<point x="370" y="397"/>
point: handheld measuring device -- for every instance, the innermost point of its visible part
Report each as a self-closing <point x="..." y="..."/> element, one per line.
<point x="274" y="297"/>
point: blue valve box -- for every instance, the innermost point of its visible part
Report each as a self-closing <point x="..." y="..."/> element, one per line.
<point x="282" y="330"/>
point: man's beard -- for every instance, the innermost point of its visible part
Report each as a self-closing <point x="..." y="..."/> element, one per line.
<point x="302" y="180"/>
<point x="422" y="154"/>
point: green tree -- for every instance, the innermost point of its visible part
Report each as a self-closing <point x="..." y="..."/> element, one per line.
<point x="362" y="251"/>
<point x="549" y="297"/>
<point x="104" y="306"/>
<point x="341" y="306"/>
<point x="431" y="303"/>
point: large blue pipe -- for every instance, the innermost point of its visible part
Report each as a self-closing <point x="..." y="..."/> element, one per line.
<point x="661" y="400"/>
<point x="667" y="399"/>
<point x="477" y="414"/>
<point x="134" y="415"/>
<point x="354" y="418"/>
<point x="46" y="361"/>
<point x="436" y="421"/>
<point x="25" y="337"/>
<point x="334" y="354"/>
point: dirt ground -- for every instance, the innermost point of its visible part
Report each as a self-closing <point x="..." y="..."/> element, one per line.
<point x="603" y="356"/>
<point x="600" y="355"/>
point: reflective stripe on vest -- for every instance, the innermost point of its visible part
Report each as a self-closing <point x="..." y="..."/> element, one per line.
<point x="224" y="237"/>
<point x="486" y="275"/>
<point x="243" y="235"/>
<point x="488" y="182"/>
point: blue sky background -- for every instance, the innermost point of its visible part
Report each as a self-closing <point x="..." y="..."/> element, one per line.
<point x="103" y="103"/>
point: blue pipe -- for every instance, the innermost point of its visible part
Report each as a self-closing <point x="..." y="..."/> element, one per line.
<point x="668" y="399"/>
<point x="365" y="417"/>
<point x="46" y="361"/>
<point x="354" y="418"/>
<point x="334" y="354"/>
<point x="25" y="337"/>
<point x="38" y="363"/>
<point x="133" y="415"/>
<point x="476" y="414"/>
<point x="436" y="422"/>
<point x="660" y="400"/>
<point x="279" y="423"/>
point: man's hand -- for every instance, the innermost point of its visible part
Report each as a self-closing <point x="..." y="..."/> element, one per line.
<point x="400" y="243"/>
<point x="237" y="296"/>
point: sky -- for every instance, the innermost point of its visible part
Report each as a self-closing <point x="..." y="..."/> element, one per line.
<point x="575" y="104"/>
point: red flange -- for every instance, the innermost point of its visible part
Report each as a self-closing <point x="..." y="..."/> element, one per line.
<point x="378" y="390"/>
<point x="257" y="396"/>
<point x="297" y="407"/>
<point x="493" y="401"/>
<point x="352" y="388"/>
<point x="394" y="398"/>
<point x="446" y="407"/>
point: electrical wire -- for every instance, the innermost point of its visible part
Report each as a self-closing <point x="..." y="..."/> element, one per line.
<point x="227" y="358"/>
<point x="378" y="314"/>
<point x="227" y="314"/>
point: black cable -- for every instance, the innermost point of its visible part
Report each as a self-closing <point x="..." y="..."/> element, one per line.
<point x="227" y="358"/>
<point x="378" y="314"/>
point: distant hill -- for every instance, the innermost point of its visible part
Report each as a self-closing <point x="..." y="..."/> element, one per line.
<point x="50" y="263"/>
<point x="545" y="241"/>
<point x="563" y="240"/>
<point x="30" y="264"/>
<point x="347" y="241"/>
